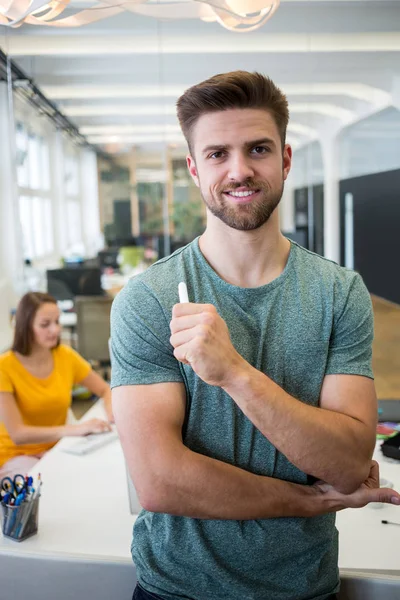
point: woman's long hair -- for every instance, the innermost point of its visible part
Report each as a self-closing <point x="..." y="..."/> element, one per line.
<point x="26" y="311"/>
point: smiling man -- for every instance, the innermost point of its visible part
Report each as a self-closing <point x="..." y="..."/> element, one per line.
<point x="247" y="415"/>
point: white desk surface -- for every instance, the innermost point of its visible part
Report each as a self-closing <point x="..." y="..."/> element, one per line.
<point x="84" y="506"/>
<point x="364" y="542"/>
<point x="84" y="512"/>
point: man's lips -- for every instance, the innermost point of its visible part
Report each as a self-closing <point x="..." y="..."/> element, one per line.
<point x="241" y="195"/>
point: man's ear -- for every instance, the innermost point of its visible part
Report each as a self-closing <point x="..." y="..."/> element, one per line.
<point x="287" y="160"/>
<point x="191" y="165"/>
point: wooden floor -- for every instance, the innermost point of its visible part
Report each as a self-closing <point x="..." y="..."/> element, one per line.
<point x="386" y="349"/>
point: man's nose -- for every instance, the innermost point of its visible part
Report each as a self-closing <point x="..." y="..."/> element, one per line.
<point x="240" y="169"/>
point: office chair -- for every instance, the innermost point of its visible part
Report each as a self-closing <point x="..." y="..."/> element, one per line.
<point x="93" y="328"/>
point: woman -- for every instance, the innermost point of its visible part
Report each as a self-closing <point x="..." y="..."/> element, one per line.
<point x="36" y="380"/>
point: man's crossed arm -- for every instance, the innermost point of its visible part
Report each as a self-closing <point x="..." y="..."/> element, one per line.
<point x="170" y="478"/>
<point x="333" y="442"/>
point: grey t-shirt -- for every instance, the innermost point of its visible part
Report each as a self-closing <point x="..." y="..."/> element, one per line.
<point x="314" y="319"/>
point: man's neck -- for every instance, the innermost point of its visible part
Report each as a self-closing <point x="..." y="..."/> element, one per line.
<point x="245" y="258"/>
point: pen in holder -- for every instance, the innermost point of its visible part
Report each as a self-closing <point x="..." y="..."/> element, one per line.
<point x="20" y="521"/>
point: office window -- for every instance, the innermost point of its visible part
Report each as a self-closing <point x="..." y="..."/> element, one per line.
<point x="45" y="165"/>
<point x="25" y="213"/>
<point x="37" y="226"/>
<point x="74" y="222"/>
<point x="71" y="175"/>
<point x="38" y="163"/>
<point x="48" y="226"/>
<point x="35" y="205"/>
<point x="21" y="141"/>
<point x="34" y="166"/>
<point x="33" y="159"/>
<point x="72" y="190"/>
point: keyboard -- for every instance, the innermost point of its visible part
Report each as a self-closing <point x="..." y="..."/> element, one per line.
<point x="89" y="443"/>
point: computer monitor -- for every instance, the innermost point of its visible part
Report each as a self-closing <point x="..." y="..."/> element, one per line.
<point x="109" y="258"/>
<point x="66" y="283"/>
<point x="389" y="410"/>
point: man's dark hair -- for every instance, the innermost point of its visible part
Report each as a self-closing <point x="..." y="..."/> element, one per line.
<point x="238" y="89"/>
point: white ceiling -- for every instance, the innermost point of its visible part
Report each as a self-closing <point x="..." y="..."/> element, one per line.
<point x="118" y="79"/>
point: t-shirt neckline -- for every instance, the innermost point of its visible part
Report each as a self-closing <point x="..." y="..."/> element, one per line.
<point x="25" y="370"/>
<point x="267" y="287"/>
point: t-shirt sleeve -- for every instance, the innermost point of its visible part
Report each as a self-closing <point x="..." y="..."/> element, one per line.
<point x="6" y="384"/>
<point x="140" y="349"/>
<point x="80" y="367"/>
<point x="350" y="348"/>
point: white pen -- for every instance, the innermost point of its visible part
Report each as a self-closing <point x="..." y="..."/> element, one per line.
<point x="183" y="293"/>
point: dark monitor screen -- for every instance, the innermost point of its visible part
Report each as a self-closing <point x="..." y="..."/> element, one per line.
<point x="66" y="283"/>
<point x="109" y="258"/>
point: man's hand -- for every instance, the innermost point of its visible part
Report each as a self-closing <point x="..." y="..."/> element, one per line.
<point x="200" y="338"/>
<point x="368" y="492"/>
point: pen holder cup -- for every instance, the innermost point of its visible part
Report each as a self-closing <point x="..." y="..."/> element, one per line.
<point x="20" y="522"/>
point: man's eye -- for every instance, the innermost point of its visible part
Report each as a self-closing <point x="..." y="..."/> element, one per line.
<point x="217" y="154"/>
<point x="260" y="150"/>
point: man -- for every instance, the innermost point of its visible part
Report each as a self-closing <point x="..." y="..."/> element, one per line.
<point x="234" y="408"/>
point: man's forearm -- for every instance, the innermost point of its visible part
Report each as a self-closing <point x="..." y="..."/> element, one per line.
<point x="193" y="485"/>
<point x="322" y="443"/>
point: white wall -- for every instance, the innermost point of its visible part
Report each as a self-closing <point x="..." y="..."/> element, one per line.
<point x="307" y="166"/>
<point x="10" y="242"/>
<point x="10" y="248"/>
<point x="371" y="145"/>
<point x="6" y="303"/>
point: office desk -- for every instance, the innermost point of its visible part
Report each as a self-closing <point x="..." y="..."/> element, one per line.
<point x="83" y="546"/>
<point x="112" y="283"/>
<point x="364" y="543"/>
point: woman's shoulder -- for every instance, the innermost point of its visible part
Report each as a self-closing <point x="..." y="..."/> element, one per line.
<point x="65" y="353"/>
<point x="6" y="359"/>
<point x="64" y="350"/>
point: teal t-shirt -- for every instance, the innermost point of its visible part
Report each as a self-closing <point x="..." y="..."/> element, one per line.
<point x="314" y="319"/>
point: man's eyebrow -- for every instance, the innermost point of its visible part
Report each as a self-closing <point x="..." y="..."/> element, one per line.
<point x="265" y="140"/>
<point x="215" y="148"/>
<point x="250" y="144"/>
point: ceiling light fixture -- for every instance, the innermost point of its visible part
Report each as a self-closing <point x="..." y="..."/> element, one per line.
<point x="235" y="15"/>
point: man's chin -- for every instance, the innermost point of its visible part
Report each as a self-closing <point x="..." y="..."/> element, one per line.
<point x="248" y="226"/>
<point x="243" y="221"/>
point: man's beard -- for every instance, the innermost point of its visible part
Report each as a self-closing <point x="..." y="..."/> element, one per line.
<point x="244" y="217"/>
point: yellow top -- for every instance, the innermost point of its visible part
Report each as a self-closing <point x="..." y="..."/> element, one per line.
<point x="41" y="402"/>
